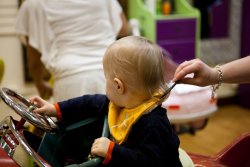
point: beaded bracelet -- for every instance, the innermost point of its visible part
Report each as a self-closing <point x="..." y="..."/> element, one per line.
<point x="216" y="86"/>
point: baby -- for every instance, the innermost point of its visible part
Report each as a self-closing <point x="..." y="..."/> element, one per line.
<point x="140" y="132"/>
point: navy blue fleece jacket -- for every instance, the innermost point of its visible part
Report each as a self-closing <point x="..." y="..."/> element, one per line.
<point x="151" y="142"/>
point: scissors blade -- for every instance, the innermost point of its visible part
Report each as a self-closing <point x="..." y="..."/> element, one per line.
<point x="168" y="91"/>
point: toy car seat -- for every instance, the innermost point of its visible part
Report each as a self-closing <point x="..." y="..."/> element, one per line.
<point x="64" y="148"/>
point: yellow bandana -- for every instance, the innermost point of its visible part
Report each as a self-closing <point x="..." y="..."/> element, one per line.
<point x="121" y="120"/>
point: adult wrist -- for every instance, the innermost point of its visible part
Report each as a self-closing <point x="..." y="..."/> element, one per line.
<point x="219" y="80"/>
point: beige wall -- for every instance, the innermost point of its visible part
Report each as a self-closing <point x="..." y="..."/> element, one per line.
<point x="11" y="53"/>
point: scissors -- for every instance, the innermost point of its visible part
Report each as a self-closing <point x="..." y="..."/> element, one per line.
<point x="167" y="92"/>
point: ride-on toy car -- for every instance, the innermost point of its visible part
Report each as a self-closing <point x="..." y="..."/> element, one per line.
<point x="20" y="147"/>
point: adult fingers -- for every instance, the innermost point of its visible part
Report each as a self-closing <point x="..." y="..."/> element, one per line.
<point x="184" y="69"/>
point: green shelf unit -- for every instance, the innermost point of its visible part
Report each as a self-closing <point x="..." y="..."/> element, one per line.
<point x="148" y="20"/>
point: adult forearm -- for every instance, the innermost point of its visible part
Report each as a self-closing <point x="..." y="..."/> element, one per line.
<point x="35" y="66"/>
<point x="237" y="71"/>
<point x="37" y="74"/>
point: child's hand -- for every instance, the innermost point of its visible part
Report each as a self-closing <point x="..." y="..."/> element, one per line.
<point x="44" y="107"/>
<point x="100" y="147"/>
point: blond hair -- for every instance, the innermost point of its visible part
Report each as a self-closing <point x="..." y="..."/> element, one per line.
<point x="138" y="62"/>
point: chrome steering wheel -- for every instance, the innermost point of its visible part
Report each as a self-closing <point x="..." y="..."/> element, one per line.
<point x="24" y="108"/>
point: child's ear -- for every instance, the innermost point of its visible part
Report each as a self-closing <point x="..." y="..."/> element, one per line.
<point x="120" y="87"/>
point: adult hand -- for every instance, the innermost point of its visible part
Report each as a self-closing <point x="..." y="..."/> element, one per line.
<point x="203" y="75"/>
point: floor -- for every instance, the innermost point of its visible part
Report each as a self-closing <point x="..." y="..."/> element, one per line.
<point x="223" y="127"/>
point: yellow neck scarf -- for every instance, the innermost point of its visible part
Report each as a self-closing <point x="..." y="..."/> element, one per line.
<point x="121" y="120"/>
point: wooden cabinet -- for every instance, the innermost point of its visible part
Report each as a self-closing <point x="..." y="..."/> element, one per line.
<point x="178" y="32"/>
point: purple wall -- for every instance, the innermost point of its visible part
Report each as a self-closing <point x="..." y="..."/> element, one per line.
<point x="244" y="89"/>
<point x="219" y="16"/>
